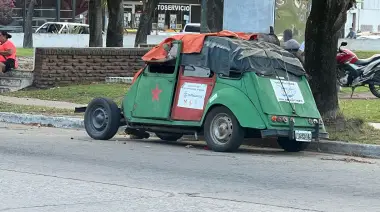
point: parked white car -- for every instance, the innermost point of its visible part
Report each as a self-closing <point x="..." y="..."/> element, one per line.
<point x="192" y="28"/>
<point x="64" y="28"/>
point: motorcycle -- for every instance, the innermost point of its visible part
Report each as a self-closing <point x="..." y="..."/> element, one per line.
<point x="354" y="72"/>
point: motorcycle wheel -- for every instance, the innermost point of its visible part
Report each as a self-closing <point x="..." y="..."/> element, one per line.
<point x="375" y="90"/>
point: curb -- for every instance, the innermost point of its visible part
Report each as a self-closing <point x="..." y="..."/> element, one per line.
<point x="51" y="121"/>
<point x="332" y="147"/>
<point x="344" y="148"/>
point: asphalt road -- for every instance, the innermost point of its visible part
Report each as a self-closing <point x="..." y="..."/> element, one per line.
<point x="46" y="169"/>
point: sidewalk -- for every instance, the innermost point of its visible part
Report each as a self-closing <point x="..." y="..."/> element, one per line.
<point x="39" y="102"/>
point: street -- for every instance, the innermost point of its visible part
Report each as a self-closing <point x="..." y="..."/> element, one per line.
<point x="48" y="169"/>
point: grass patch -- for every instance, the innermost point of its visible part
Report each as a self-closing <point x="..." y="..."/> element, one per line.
<point x="357" y="90"/>
<point x="21" y="52"/>
<point x="368" y="110"/>
<point x="6" y="107"/>
<point x="365" y="54"/>
<point x="81" y="94"/>
<point x="353" y="130"/>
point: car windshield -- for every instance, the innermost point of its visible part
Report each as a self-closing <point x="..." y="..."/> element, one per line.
<point x="192" y="28"/>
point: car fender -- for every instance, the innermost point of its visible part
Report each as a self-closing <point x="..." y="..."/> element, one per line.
<point x="240" y="105"/>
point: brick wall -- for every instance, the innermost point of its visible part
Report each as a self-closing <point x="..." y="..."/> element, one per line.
<point x="60" y="66"/>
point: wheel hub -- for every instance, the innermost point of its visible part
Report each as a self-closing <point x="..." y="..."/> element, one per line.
<point x="99" y="118"/>
<point x="221" y="129"/>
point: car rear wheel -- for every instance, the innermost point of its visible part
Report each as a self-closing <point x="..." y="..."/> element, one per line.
<point x="222" y="130"/>
<point x="292" y="145"/>
<point x="102" y="119"/>
<point x="169" y="136"/>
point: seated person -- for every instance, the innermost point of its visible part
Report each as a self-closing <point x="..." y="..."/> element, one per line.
<point x="290" y="43"/>
<point x="7" y="53"/>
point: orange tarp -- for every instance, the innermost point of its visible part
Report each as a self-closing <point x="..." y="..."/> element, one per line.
<point x="191" y="43"/>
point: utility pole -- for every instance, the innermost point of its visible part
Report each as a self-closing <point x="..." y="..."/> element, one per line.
<point x="74" y="7"/>
<point x="58" y="10"/>
<point x="24" y="17"/>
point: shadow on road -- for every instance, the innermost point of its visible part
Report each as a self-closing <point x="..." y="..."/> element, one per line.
<point x="252" y="146"/>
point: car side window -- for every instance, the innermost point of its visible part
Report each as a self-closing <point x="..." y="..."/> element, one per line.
<point x="196" y="71"/>
<point x="162" y="68"/>
<point x="86" y="30"/>
<point x="44" y="28"/>
<point x="65" y="30"/>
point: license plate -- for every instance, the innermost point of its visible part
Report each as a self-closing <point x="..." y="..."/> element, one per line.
<point x="304" y="136"/>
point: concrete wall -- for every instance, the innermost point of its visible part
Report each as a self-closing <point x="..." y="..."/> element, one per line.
<point x="362" y="45"/>
<point x="75" y="41"/>
<point x="367" y="14"/>
<point x="369" y="20"/>
<point x="60" y="66"/>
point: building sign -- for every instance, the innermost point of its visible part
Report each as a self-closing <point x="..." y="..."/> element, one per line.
<point x="173" y="7"/>
<point x="250" y="16"/>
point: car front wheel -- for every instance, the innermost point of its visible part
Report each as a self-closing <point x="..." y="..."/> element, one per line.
<point x="102" y="119"/>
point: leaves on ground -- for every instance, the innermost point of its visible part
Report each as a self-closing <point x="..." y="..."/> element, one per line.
<point x="353" y="130"/>
<point x="349" y="160"/>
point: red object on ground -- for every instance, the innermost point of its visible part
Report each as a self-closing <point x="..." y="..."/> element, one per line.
<point x="192" y="43"/>
<point x="185" y="113"/>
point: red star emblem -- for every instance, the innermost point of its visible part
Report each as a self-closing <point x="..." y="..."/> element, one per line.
<point x="156" y="94"/>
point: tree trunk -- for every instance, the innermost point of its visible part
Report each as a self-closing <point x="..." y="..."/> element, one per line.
<point x="146" y="18"/>
<point x="115" y="29"/>
<point x="212" y="16"/>
<point x="28" y="34"/>
<point x="6" y="9"/>
<point x="95" y="23"/>
<point x="322" y="32"/>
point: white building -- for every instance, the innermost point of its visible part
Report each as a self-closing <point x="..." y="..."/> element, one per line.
<point x="364" y="18"/>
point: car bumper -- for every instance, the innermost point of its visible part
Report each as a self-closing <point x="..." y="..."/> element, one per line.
<point x="287" y="133"/>
<point x="290" y="133"/>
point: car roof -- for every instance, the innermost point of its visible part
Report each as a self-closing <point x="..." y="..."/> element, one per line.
<point x="193" y="24"/>
<point x="71" y="23"/>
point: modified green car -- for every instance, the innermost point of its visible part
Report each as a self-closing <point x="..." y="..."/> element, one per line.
<point x="232" y="89"/>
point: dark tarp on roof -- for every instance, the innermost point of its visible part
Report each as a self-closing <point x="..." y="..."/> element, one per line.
<point x="222" y="54"/>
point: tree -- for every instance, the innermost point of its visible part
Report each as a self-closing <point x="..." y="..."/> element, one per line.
<point x="212" y="16"/>
<point x="95" y="20"/>
<point x="6" y="7"/>
<point x="115" y="29"/>
<point x="28" y="25"/>
<point x="149" y="6"/>
<point x="321" y="40"/>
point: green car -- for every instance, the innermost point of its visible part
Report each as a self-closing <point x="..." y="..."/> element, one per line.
<point x="230" y="90"/>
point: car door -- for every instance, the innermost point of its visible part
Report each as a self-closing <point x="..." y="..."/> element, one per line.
<point x="155" y="91"/>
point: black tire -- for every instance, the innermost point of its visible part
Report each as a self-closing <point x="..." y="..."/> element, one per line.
<point x="292" y="145"/>
<point x="375" y="91"/>
<point x="169" y="136"/>
<point x="102" y="119"/>
<point x="233" y="133"/>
